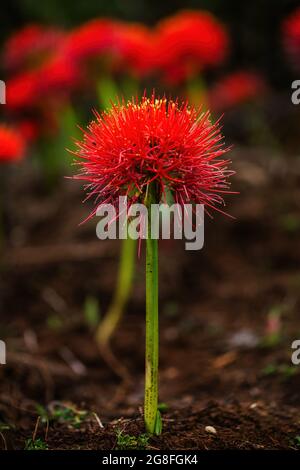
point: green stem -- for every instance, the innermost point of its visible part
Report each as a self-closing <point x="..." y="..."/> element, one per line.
<point x="124" y="284"/>
<point x="151" y="413"/>
<point x="107" y="91"/>
<point x="54" y="159"/>
<point x="197" y="92"/>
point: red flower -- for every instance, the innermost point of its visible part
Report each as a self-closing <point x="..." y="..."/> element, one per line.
<point x="188" y="42"/>
<point x="235" y="89"/>
<point x="291" y="37"/>
<point x="135" y="48"/>
<point x="55" y="77"/>
<point x="22" y="90"/>
<point x="90" y="40"/>
<point x="29" y="45"/>
<point x="59" y="74"/>
<point x="155" y="140"/>
<point x="12" y="144"/>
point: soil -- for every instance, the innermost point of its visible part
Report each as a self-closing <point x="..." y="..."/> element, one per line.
<point x="228" y="315"/>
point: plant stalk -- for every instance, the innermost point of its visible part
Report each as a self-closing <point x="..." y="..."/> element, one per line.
<point x="122" y="293"/>
<point x="151" y="413"/>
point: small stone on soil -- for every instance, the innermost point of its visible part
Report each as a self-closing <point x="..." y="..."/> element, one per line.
<point x="210" y="430"/>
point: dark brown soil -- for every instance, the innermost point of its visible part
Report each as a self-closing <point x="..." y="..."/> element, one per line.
<point x="220" y="364"/>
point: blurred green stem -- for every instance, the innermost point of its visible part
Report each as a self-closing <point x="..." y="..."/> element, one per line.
<point x="107" y="91"/>
<point x="130" y="87"/>
<point x="53" y="157"/>
<point x="122" y="293"/>
<point x="197" y="92"/>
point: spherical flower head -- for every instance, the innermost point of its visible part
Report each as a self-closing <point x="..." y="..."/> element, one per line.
<point x="154" y="140"/>
<point x="291" y="37"/>
<point x="189" y="42"/>
<point x="30" y="45"/>
<point x="12" y="145"/>
<point x="235" y="89"/>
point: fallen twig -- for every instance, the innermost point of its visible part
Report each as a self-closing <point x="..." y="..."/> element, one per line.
<point x="98" y="420"/>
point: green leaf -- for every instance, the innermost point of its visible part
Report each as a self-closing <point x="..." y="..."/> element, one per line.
<point x="37" y="444"/>
<point x="162" y="407"/>
<point x="158" y="424"/>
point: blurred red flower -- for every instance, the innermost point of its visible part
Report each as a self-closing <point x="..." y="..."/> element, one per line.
<point x="234" y="89"/>
<point x="12" y="144"/>
<point x="189" y="42"/>
<point x="291" y="37"/>
<point x="30" y="45"/>
<point x="136" y="143"/>
<point x="90" y="40"/>
<point x="135" y="49"/>
<point x="59" y="74"/>
<point x="22" y="90"/>
<point x="53" y="80"/>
